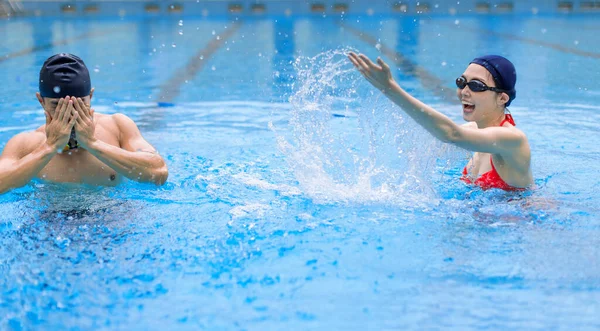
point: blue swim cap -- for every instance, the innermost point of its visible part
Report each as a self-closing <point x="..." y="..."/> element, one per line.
<point x="64" y="74"/>
<point x="503" y="72"/>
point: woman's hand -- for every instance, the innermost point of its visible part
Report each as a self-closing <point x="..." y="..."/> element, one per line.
<point x="379" y="76"/>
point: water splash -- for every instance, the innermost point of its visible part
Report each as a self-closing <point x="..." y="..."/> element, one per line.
<point x="347" y="142"/>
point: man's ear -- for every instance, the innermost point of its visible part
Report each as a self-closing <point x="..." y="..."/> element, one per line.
<point x="91" y="93"/>
<point x="40" y="98"/>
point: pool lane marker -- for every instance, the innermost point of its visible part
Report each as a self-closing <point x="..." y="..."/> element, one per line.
<point x="62" y="42"/>
<point x="531" y="41"/>
<point x="427" y="79"/>
<point x="171" y="88"/>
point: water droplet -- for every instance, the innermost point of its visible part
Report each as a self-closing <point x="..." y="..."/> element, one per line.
<point x="218" y="37"/>
<point x="576" y="42"/>
<point x="213" y="68"/>
<point x="213" y="32"/>
<point x="96" y="70"/>
<point x="378" y="46"/>
<point x="444" y="63"/>
<point x="457" y="22"/>
<point x="201" y="57"/>
<point x="544" y="30"/>
<point x="56" y="89"/>
<point x="174" y="45"/>
<point x="180" y="22"/>
<point x="181" y="32"/>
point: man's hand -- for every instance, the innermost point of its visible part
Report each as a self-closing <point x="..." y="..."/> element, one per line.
<point x="58" y="128"/>
<point x="85" y="127"/>
<point x="379" y="76"/>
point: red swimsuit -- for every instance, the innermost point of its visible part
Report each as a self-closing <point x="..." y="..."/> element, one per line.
<point x="492" y="179"/>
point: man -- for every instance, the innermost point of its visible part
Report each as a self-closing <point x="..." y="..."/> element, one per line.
<point x="77" y="145"/>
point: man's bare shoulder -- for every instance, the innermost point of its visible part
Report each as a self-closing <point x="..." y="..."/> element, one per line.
<point x="125" y="124"/>
<point x="107" y="122"/>
<point x="116" y="120"/>
<point x="31" y="137"/>
<point x="25" y="142"/>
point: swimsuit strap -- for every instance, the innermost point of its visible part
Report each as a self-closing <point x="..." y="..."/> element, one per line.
<point x="492" y="163"/>
<point x="508" y="118"/>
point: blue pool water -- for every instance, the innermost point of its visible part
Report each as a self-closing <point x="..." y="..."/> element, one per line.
<point x="298" y="197"/>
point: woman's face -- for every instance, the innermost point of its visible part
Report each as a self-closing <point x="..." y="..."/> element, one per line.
<point x="479" y="106"/>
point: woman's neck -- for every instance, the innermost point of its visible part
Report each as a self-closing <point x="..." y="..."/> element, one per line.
<point x="494" y="120"/>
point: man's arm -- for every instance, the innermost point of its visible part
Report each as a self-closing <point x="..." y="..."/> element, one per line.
<point x="495" y="140"/>
<point x="17" y="167"/>
<point x="22" y="160"/>
<point x="135" y="159"/>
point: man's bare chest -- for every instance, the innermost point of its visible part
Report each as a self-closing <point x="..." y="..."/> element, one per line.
<point x="80" y="166"/>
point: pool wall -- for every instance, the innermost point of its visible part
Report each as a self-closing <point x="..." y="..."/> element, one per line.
<point x="254" y="8"/>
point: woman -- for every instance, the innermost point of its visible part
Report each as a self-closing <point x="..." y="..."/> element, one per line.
<point x="502" y="157"/>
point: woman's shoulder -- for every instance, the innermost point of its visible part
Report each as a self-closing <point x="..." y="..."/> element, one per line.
<point x="470" y="125"/>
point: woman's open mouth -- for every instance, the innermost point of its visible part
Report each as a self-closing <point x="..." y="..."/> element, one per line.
<point x="468" y="107"/>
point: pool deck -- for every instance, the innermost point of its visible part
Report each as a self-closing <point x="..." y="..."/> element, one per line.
<point x="260" y="8"/>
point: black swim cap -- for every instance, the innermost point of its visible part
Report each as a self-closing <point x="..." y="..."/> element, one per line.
<point x="503" y="72"/>
<point x="64" y="74"/>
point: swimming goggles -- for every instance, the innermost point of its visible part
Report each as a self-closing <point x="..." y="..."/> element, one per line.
<point x="475" y="85"/>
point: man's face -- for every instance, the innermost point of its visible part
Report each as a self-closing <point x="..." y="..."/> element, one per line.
<point x="50" y="104"/>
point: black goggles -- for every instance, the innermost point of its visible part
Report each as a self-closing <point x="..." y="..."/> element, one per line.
<point x="475" y="85"/>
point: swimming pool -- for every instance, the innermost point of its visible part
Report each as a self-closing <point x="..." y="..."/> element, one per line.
<point x="298" y="197"/>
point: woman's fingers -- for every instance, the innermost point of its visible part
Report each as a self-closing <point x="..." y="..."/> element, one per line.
<point x="383" y="65"/>
<point x="362" y="63"/>
<point x="367" y="61"/>
<point x="351" y="57"/>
